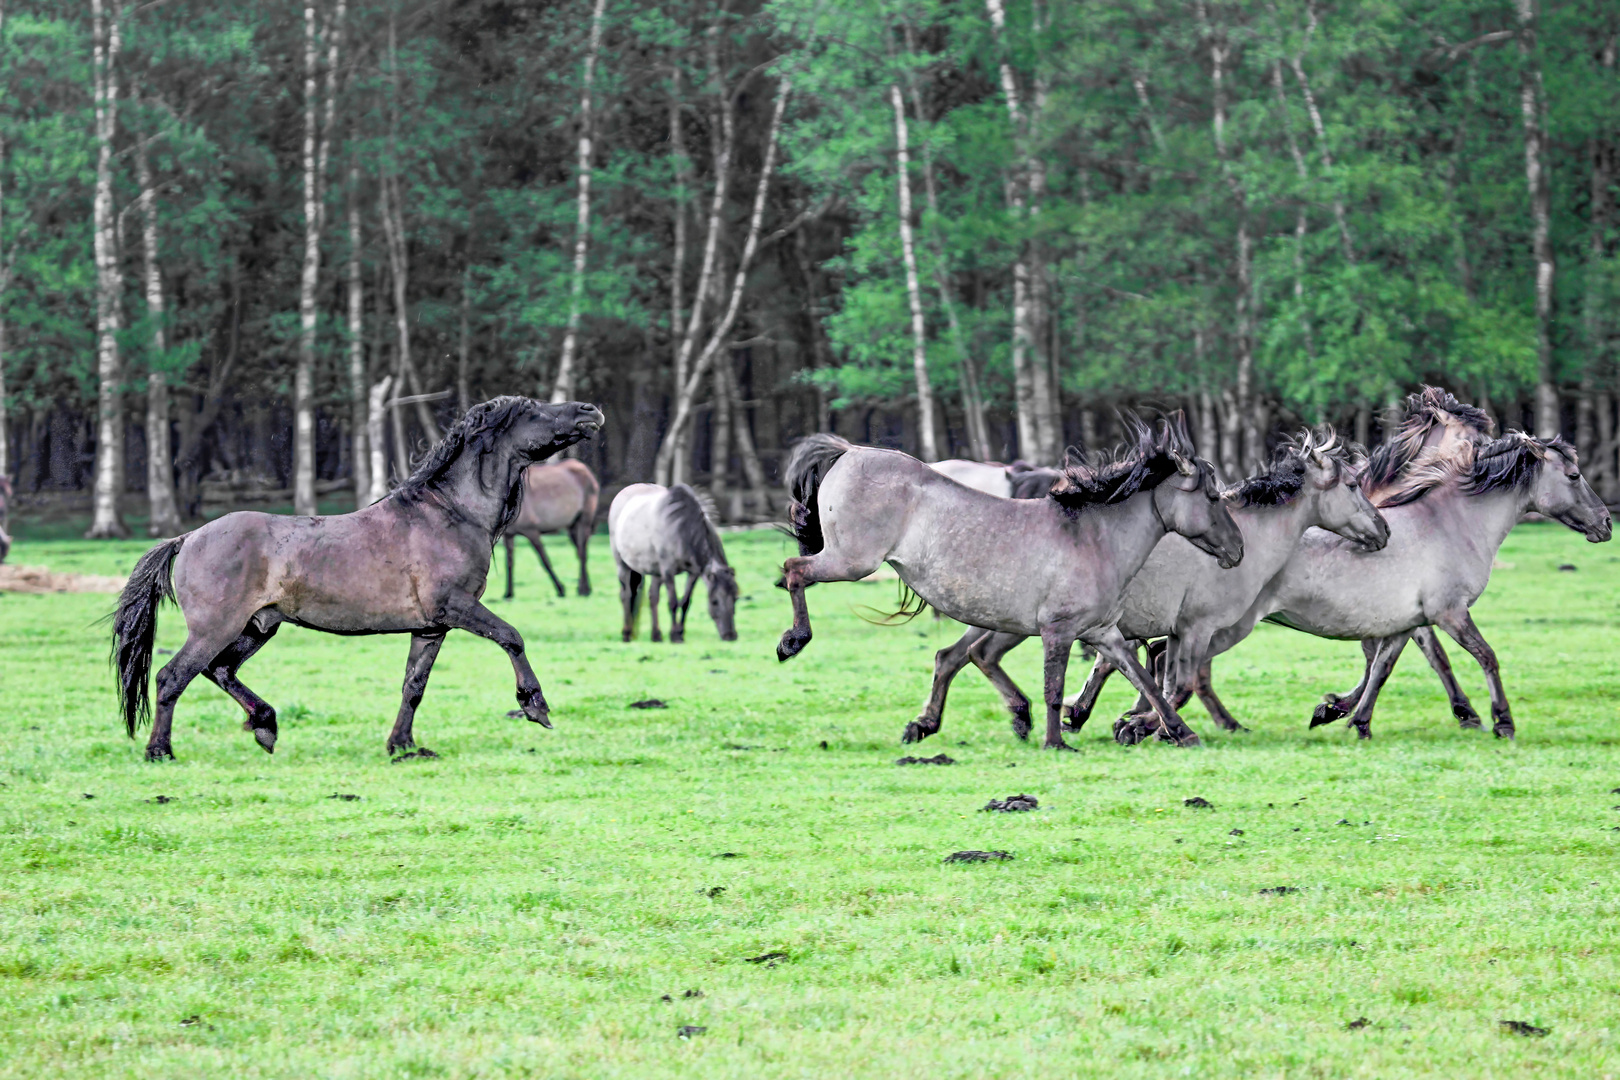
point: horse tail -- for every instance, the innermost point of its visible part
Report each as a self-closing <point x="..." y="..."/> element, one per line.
<point x="807" y="467"/>
<point x="135" y="629"/>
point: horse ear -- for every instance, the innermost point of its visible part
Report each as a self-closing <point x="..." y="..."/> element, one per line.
<point x="1071" y="457"/>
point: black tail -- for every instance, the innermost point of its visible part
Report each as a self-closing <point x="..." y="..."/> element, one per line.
<point x="135" y="629"/>
<point x="806" y="468"/>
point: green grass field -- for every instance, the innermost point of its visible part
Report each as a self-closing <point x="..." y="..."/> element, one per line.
<point x="546" y="903"/>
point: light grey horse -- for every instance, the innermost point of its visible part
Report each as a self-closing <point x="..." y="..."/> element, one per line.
<point x="1020" y="480"/>
<point x="414" y="563"/>
<point x="557" y="497"/>
<point x="656" y="533"/>
<point x="1179" y="594"/>
<point x="1436" y="564"/>
<point x="1054" y="567"/>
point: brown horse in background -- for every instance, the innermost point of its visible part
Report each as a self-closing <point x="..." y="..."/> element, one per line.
<point x="560" y="497"/>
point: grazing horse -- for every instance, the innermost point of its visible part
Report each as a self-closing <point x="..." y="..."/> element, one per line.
<point x="1056" y="566"/>
<point x="656" y="533"/>
<point x="1436" y="564"/>
<point x="1178" y="594"/>
<point x="556" y="498"/>
<point x="5" y="513"/>
<point x="413" y="563"/>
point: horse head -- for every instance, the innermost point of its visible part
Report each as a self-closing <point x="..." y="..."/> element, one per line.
<point x="1559" y="491"/>
<point x="1190" y="500"/>
<point x="1333" y="476"/>
<point x="722" y="584"/>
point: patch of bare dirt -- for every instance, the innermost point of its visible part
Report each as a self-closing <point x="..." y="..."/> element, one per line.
<point x="38" y="579"/>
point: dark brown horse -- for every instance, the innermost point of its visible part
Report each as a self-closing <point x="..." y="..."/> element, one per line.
<point x="414" y="563"/>
<point x="556" y="498"/>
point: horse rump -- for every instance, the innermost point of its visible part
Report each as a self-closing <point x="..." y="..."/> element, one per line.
<point x="135" y="629"/>
<point x="807" y="467"/>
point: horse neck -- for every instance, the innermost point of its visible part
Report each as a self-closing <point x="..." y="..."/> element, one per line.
<point x="1484" y="521"/>
<point x="1129" y="529"/>
<point x="480" y="502"/>
<point x="1270" y="533"/>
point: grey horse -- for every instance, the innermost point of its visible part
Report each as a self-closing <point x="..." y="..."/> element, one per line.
<point x="1436" y="564"/>
<point x="414" y="563"/>
<point x="1056" y="566"/>
<point x="558" y="497"/>
<point x="1312" y="482"/>
<point x="656" y="533"/>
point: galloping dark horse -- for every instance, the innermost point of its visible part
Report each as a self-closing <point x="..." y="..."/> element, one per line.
<point x="556" y="498"/>
<point x="414" y="563"/>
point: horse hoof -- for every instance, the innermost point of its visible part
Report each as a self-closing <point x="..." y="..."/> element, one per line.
<point x="1060" y="745"/>
<point x="1503" y="730"/>
<point x="1021" y="725"/>
<point x="538" y="715"/>
<point x="657" y="635"/>
<point x="1126" y="733"/>
<point x="914" y="733"/>
<point x="584" y="590"/>
<point x="159" y="752"/>
<point x="266" y="738"/>
<point x="792" y="644"/>
<point x="1189" y="740"/>
<point x="400" y="748"/>
<point x="1326" y="713"/>
<point x="1363" y="731"/>
<point x="677" y="639"/>
<point x="627" y="637"/>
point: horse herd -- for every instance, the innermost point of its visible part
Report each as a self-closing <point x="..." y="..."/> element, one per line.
<point x="1143" y="546"/>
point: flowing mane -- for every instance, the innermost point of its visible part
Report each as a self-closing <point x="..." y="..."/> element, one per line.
<point x="1511" y="462"/>
<point x="1148" y="457"/>
<point x="1434" y="443"/>
<point x="693" y="521"/>
<point x="1030" y="481"/>
<point x="475" y="432"/>
<point x="1281" y="482"/>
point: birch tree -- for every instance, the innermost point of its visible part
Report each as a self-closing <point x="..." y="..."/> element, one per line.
<point x="919" y="336"/>
<point x="563" y="389"/>
<point x="107" y="518"/>
<point x="165" y="513"/>
<point x="1532" y="106"/>
<point x="359" y="402"/>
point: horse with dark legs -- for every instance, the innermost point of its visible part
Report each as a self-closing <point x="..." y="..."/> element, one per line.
<point x="558" y="497"/>
<point x="656" y="533"/>
<point x="1055" y="567"/>
<point x="1178" y="594"/>
<point x="414" y="563"/>
<point x="1437" y="563"/>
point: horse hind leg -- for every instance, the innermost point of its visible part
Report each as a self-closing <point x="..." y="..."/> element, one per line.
<point x="193" y="658"/>
<point x="580" y="532"/>
<point x="1338" y="706"/>
<point x="261" y="717"/>
<point x="1461" y="708"/>
<point x="1461" y="627"/>
<point x="986" y="655"/>
<point x="1378" y="673"/>
<point x="540" y="550"/>
<point x="655" y="582"/>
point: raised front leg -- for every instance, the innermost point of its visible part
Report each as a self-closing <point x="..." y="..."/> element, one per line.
<point x="655" y="582"/>
<point x="1461" y="708"/>
<point x="475" y="618"/>
<point x="986" y="654"/>
<point x="1112" y="645"/>
<point x="629" y="596"/>
<point x="424" y="650"/>
<point x="540" y="550"/>
<point x="1389" y="651"/>
<point x="1055" y="644"/>
<point x="1460" y="625"/>
<point x="947" y="662"/>
<point x="507" y="540"/>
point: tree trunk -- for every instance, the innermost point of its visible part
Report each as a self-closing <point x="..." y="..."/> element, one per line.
<point x="1299" y="210"/>
<point x="1298" y="64"/>
<point x="743" y="434"/>
<point x="1595" y="308"/>
<point x="165" y="515"/>
<point x="6" y="263"/>
<point x="464" y="354"/>
<point x="1531" y="107"/>
<point x="359" y="413"/>
<point x="308" y="282"/>
<point x="377" y="439"/>
<point x="928" y="451"/>
<point x="1604" y="476"/>
<point x="563" y="389"/>
<point x="818" y="345"/>
<point x="107" y="519"/>
<point x="720" y="449"/>
<point x="682" y="412"/>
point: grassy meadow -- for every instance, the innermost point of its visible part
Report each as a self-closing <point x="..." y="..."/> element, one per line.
<point x="750" y="861"/>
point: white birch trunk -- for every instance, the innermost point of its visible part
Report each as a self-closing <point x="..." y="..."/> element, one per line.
<point x="1298" y="64"/>
<point x="360" y="416"/>
<point x="464" y="355"/>
<point x="563" y="389"/>
<point x="165" y="514"/>
<point x="1300" y="224"/>
<point x="682" y="412"/>
<point x="677" y="270"/>
<point x="377" y="439"/>
<point x="309" y="280"/>
<point x="107" y="518"/>
<point x="1531" y="108"/>
<point x="927" y="449"/>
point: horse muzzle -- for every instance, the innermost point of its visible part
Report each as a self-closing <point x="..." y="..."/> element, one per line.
<point x="590" y="420"/>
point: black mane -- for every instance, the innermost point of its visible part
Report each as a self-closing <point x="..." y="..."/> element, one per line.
<point x="475" y="432"/>
<point x="1279" y="485"/>
<point x="1511" y="462"/>
<point x="1147" y="458"/>
<point x="692" y="525"/>
<point x="1030" y="481"/>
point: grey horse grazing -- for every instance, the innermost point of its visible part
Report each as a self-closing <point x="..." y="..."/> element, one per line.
<point x="558" y="497"/>
<point x="656" y="533"/>
<point x="1436" y="564"/>
<point x="414" y="563"/>
<point x="1055" y="567"/>
<point x="1178" y="594"/>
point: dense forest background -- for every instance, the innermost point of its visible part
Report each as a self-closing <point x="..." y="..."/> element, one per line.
<point x="271" y="250"/>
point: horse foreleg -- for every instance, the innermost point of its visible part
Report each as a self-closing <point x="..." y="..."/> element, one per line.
<point x="947" y="662"/>
<point x="655" y="582"/>
<point x="510" y="592"/>
<point x="540" y="550"/>
<point x="1338" y="706"/>
<point x="1055" y="644"/>
<point x="424" y="650"/>
<point x="475" y="618"/>
<point x="1461" y="708"/>
<point x="802" y="571"/>
<point x="629" y="596"/>
<point x="261" y="717"/>
<point x="1188" y="673"/>
<point x="678" y="630"/>
<point x="1389" y="651"/>
<point x="1112" y="644"/>
<point x="1079" y="711"/>
<point x="986" y="655"/>
<point x="1460" y="625"/>
<point x="581" y="533"/>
